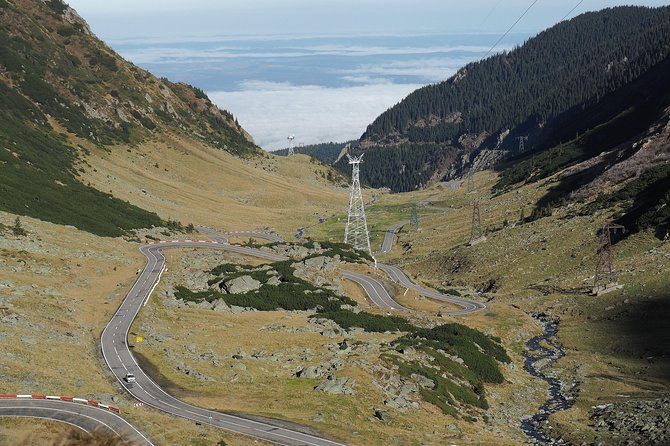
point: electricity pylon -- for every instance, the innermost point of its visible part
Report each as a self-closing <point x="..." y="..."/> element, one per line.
<point x="521" y="139"/>
<point x="415" y="216"/>
<point x="605" y="278"/>
<point x="477" y="234"/>
<point x="356" y="233"/>
<point x="471" y="181"/>
<point x="291" y="150"/>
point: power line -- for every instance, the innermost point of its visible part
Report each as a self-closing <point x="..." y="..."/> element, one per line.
<point x="511" y="27"/>
<point x="568" y="14"/>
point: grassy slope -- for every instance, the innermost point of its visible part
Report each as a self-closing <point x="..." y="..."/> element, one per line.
<point x="195" y="183"/>
<point x="38" y="178"/>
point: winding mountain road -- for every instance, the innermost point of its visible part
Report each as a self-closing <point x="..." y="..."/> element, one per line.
<point x="375" y="290"/>
<point x="120" y="360"/>
<point x="87" y="418"/>
<point x="398" y="276"/>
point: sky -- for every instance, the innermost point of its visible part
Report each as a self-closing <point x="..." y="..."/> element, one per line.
<point x="117" y="19"/>
<point x="320" y="69"/>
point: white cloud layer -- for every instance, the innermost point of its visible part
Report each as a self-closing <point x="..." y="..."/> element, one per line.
<point x="170" y="54"/>
<point x="271" y="111"/>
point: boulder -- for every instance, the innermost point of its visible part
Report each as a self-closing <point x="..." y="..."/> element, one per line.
<point x="273" y="281"/>
<point x="324" y="264"/>
<point x="338" y="386"/>
<point x="382" y="415"/>
<point x="310" y="372"/>
<point x="424" y="382"/>
<point x="220" y="306"/>
<point x="242" y="285"/>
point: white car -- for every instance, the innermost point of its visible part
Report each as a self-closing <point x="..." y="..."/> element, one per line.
<point x="130" y="378"/>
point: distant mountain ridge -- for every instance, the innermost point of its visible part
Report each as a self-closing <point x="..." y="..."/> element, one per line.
<point x="439" y="130"/>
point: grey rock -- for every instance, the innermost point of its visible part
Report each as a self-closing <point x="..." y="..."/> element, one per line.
<point x="408" y="350"/>
<point x="310" y="372"/>
<point x="28" y="340"/>
<point x="338" y="386"/>
<point x="424" y="382"/>
<point x="382" y="415"/>
<point x="273" y="281"/>
<point x="242" y="285"/>
<point x="220" y="306"/>
<point x="241" y="354"/>
<point x="238" y="366"/>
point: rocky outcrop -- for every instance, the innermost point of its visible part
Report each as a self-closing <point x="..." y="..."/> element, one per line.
<point x="310" y="372"/>
<point x="241" y="285"/>
<point x="317" y="270"/>
<point x="339" y="386"/>
<point x="634" y="422"/>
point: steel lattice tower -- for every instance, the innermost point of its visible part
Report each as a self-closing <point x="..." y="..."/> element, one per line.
<point x="415" y="216"/>
<point x="477" y="234"/>
<point x="356" y="233"/>
<point x="521" y="139"/>
<point x="291" y="150"/>
<point x="605" y="276"/>
<point x="471" y="181"/>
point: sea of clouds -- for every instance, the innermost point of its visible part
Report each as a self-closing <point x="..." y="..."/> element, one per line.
<point x="319" y="89"/>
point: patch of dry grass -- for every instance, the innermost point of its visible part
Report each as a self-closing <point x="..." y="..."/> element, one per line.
<point x="198" y="184"/>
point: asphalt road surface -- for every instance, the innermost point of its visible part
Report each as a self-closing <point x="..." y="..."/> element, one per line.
<point x="87" y="418"/>
<point x="374" y="289"/>
<point x="398" y="276"/>
<point x="387" y="244"/>
<point x="222" y="238"/>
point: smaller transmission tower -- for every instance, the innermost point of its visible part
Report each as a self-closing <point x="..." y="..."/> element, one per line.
<point x="605" y="278"/>
<point x="471" y="181"/>
<point x="415" y="217"/>
<point x="291" y="151"/>
<point x="476" y="234"/>
<point x="356" y="232"/>
<point x="522" y="147"/>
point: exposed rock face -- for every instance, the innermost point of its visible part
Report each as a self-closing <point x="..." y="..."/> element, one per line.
<point x="310" y="372"/>
<point x="241" y="285"/>
<point x="317" y="269"/>
<point x="293" y="251"/>
<point x="634" y="422"/>
<point x="339" y="386"/>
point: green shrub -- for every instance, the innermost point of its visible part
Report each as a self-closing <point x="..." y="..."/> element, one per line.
<point x="57" y="6"/>
<point x="368" y="322"/>
<point x="66" y="30"/>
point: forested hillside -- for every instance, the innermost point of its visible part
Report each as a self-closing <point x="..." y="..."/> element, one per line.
<point x="487" y="104"/>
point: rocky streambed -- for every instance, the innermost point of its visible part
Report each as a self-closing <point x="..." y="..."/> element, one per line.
<point x="541" y="353"/>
